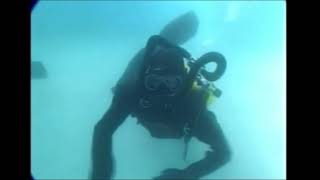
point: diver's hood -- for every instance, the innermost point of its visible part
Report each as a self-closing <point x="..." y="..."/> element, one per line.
<point x="167" y="60"/>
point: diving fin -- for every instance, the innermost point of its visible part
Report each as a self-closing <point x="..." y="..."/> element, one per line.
<point x="38" y="71"/>
<point x="181" y="29"/>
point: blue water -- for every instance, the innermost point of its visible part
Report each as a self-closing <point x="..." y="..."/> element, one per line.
<point x="86" y="45"/>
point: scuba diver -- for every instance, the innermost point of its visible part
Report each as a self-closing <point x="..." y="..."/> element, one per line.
<point x="168" y="92"/>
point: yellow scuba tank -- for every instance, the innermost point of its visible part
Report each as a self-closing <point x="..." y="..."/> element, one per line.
<point x="201" y="84"/>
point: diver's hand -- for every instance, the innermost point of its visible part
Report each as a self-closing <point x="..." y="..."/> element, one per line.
<point x="173" y="173"/>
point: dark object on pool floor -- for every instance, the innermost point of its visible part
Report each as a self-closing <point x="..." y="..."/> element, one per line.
<point x="38" y="70"/>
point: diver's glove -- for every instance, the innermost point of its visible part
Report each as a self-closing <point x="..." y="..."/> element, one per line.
<point x="173" y="173"/>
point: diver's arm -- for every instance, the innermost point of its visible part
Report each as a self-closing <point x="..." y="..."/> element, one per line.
<point x="101" y="152"/>
<point x="209" y="132"/>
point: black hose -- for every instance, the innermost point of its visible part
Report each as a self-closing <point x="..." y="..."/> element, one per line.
<point x="211" y="76"/>
<point x="212" y="57"/>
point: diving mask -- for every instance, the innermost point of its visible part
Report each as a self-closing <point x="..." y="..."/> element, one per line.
<point x="155" y="82"/>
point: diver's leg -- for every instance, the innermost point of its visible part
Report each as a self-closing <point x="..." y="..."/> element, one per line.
<point x="209" y="131"/>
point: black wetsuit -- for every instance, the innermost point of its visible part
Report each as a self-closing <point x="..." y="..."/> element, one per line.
<point x="162" y="122"/>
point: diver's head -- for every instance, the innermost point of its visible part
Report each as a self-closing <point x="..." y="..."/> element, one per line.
<point x="166" y="73"/>
<point x="167" y="61"/>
